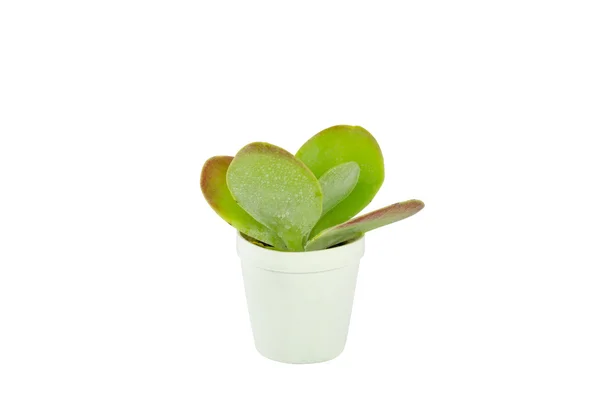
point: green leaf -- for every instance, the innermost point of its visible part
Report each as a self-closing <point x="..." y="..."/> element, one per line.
<point x="337" y="184"/>
<point x="278" y="190"/>
<point x="214" y="188"/>
<point x="362" y="224"/>
<point x="341" y="144"/>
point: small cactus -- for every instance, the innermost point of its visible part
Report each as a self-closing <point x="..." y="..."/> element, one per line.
<point x="304" y="202"/>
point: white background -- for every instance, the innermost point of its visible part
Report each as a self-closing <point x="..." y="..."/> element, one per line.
<point x="117" y="279"/>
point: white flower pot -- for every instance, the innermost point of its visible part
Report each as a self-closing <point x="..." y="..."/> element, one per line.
<point x="300" y="302"/>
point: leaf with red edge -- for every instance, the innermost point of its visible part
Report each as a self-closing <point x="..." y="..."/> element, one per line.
<point x="358" y="226"/>
<point x="214" y="188"/>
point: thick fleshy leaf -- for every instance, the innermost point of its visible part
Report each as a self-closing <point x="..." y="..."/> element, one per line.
<point x="341" y="144"/>
<point x="214" y="188"/>
<point x="337" y="184"/>
<point x="278" y="190"/>
<point x="362" y="224"/>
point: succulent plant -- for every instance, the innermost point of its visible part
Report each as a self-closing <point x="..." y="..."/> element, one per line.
<point x="304" y="202"/>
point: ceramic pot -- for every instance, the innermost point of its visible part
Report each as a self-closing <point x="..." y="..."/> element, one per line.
<point x="300" y="302"/>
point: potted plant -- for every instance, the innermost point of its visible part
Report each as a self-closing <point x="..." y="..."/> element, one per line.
<point x="297" y="241"/>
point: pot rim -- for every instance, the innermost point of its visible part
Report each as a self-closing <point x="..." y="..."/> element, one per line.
<point x="300" y="262"/>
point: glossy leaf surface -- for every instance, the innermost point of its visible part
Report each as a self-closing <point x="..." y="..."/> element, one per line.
<point x="341" y="144"/>
<point x="276" y="189"/>
<point x="338" y="183"/>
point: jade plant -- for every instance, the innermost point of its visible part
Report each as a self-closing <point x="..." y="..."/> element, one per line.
<point x="304" y="202"/>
